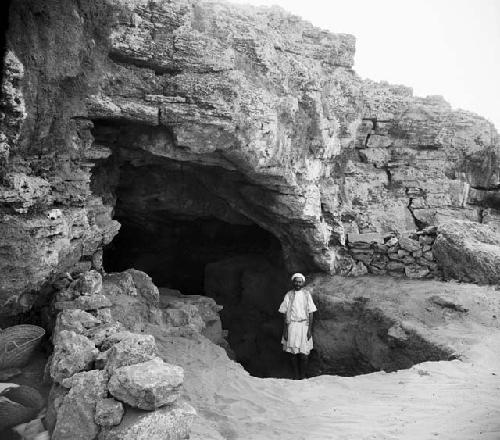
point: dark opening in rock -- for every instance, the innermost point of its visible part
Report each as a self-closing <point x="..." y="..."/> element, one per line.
<point x="185" y="225"/>
<point x="352" y="338"/>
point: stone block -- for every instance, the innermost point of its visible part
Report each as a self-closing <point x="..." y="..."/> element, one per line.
<point x="148" y="385"/>
<point x="408" y="244"/>
<point x="72" y="354"/>
<point x="429" y="255"/>
<point x="93" y="302"/>
<point x="416" y="271"/>
<point x="120" y="283"/>
<point x="393" y="241"/>
<point x="396" y="266"/>
<point x="417" y="254"/>
<point x="75" y="320"/>
<point x="76" y="413"/>
<point x="132" y="349"/>
<point x="170" y="422"/>
<point x="89" y="283"/>
<point x="145" y="286"/>
<point x="372" y="237"/>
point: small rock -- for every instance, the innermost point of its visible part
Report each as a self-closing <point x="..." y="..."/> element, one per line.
<point x="402" y="253"/>
<point x="145" y="286"/>
<point x="32" y="429"/>
<point x="429" y="255"/>
<point x="397" y="333"/>
<point x="104" y="315"/>
<point x="426" y="240"/>
<point x="76" y="320"/>
<point x="148" y="385"/>
<point x="392" y="242"/>
<point x="447" y="303"/>
<point x="120" y="283"/>
<point x="409" y="244"/>
<point x="416" y="271"/>
<point x="101" y="360"/>
<point x="89" y="283"/>
<point x="395" y="266"/>
<point x="99" y="334"/>
<point x="97" y="260"/>
<point x="358" y="269"/>
<point x="108" y="412"/>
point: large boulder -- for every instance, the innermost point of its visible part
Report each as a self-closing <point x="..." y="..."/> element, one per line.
<point x="76" y="414"/>
<point x="148" y="385"/>
<point x="73" y="353"/>
<point x="167" y="423"/>
<point x="469" y="251"/>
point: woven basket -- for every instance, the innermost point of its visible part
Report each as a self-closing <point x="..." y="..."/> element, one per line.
<point x="18" y="343"/>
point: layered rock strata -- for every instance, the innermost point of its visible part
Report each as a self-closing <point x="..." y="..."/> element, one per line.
<point x="261" y="106"/>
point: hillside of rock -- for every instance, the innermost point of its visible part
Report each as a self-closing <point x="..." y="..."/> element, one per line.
<point x="246" y="116"/>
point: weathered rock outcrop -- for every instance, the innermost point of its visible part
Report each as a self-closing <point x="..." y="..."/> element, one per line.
<point x="259" y="111"/>
<point x="468" y="251"/>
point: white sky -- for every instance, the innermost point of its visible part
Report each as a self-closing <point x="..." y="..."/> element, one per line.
<point x="438" y="47"/>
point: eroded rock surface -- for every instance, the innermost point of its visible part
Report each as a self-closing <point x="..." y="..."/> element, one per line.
<point x="252" y="115"/>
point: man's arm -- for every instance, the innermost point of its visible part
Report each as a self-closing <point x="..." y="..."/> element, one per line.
<point x="309" y="328"/>
<point x="285" y="328"/>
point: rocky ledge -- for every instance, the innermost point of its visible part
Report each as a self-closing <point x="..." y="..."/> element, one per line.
<point x="252" y="114"/>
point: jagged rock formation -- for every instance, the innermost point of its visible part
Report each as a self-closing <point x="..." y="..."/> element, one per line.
<point x="97" y="365"/>
<point x="258" y="111"/>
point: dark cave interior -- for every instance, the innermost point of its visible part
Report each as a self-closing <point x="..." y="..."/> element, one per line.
<point x="181" y="224"/>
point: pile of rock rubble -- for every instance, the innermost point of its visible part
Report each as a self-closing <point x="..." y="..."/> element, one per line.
<point x="108" y="382"/>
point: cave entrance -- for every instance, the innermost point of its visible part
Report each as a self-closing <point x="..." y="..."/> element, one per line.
<point x="186" y="226"/>
<point x="239" y="266"/>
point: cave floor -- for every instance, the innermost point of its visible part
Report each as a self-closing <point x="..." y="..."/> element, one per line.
<point x="455" y="399"/>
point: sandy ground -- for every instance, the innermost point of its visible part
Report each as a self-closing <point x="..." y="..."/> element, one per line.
<point x="456" y="400"/>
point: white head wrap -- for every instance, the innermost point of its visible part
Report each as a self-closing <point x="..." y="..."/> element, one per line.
<point x="298" y="275"/>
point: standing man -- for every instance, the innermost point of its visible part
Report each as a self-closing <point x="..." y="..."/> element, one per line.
<point x="298" y="308"/>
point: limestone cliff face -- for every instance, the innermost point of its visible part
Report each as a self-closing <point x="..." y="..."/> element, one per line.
<point x="259" y="112"/>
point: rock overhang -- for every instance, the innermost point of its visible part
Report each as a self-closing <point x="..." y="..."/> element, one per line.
<point x="252" y="90"/>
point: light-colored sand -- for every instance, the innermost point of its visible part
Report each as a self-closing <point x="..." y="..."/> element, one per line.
<point x="455" y="400"/>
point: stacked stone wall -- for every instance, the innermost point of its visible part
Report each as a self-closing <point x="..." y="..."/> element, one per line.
<point x="407" y="255"/>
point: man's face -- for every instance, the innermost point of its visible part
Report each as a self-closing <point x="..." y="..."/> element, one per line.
<point x="297" y="283"/>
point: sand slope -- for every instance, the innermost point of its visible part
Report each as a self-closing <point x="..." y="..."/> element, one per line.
<point x="457" y="399"/>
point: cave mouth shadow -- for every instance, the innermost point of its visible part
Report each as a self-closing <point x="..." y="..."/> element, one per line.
<point x="239" y="266"/>
<point x="188" y="226"/>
